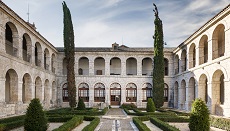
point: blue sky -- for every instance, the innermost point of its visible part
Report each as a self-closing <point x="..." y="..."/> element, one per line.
<point x="99" y="23"/>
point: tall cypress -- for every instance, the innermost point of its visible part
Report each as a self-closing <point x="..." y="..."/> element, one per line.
<point x="69" y="54"/>
<point x="158" y="69"/>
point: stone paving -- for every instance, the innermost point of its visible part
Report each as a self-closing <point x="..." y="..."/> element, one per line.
<point x="108" y="121"/>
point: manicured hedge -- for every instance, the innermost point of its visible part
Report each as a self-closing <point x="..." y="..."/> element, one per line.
<point x="11" y="122"/>
<point x="11" y="119"/>
<point x="128" y="106"/>
<point x="141" y="126"/>
<point x="60" y="118"/>
<point x="221" y="123"/>
<point x="163" y="125"/>
<point x="93" y="124"/>
<point x="71" y="124"/>
<point x="173" y="119"/>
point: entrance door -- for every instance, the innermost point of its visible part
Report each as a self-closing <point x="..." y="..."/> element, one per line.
<point x="115" y="96"/>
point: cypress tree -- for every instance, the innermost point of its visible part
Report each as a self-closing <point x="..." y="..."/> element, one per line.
<point x="69" y="54"/>
<point x="158" y="69"/>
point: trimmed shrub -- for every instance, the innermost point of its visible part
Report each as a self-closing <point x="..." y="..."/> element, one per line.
<point x="128" y="106"/>
<point x="35" y="119"/>
<point x="150" y="105"/>
<point x="93" y="124"/>
<point x="221" y="123"/>
<point x="81" y="105"/>
<point x="199" y="119"/>
<point x="71" y="124"/>
<point x="163" y="125"/>
<point x="141" y="126"/>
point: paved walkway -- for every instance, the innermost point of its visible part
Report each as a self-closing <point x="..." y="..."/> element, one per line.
<point x="115" y="116"/>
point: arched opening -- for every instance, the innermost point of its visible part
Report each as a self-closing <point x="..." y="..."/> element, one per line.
<point x="11" y="39"/>
<point x="131" y="92"/>
<point x="176" y="95"/>
<point x="203" y="49"/>
<point x="183" y="60"/>
<point x="147" y="67"/>
<point x="54" y="94"/>
<point x="99" y="66"/>
<point x="83" y="92"/>
<point x="218" y="94"/>
<point x="166" y="62"/>
<point x="64" y="66"/>
<point x="11" y="86"/>
<point x="38" y="54"/>
<point x="218" y="42"/>
<point x="99" y="92"/>
<point x="115" y="94"/>
<point x="46" y="59"/>
<point x="203" y="88"/>
<point x="192" y="89"/>
<point x="26" y="88"/>
<point x="53" y="63"/>
<point x="65" y="96"/>
<point x="176" y="64"/>
<point x="26" y="47"/>
<point x="38" y="89"/>
<point x="131" y="66"/>
<point x="115" y="66"/>
<point x="47" y="92"/>
<point x="147" y="92"/>
<point x="192" y="56"/>
<point x="83" y="66"/>
<point x="166" y="92"/>
<point x="182" y="94"/>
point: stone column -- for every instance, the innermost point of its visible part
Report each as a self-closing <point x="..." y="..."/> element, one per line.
<point x="139" y="66"/>
<point x="2" y="96"/>
<point x="197" y="56"/>
<point x="32" y="59"/>
<point x="215" y="95"/>
<point x="214" y="53"/>
<point x="107" y="96"/>
<point x="139" y="96"/>
<point x="227" y="42"/>
<point x="91" y="96"/>
<point x="20" y="91"/>
<point x="91" y="67"/>
<point x="2" y="38"/>
<point x="123" y="94"/>
<point x="123" y="67"/>
<point x="107" y="66"/>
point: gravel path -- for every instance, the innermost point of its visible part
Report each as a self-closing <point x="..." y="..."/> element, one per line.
<point x="151" y="126"/>
<point x="81" y="126"/>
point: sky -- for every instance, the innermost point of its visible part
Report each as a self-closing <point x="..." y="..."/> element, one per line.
<point x="100" y="23"/>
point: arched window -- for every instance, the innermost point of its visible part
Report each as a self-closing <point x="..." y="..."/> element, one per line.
<point x="84" y="92"/>
<point x="147" y="92"/>
<point x="166" y="62"/>
<point x="83" y="66"/>
<point x="166" y="90"/>
<point x="131" y="66"/>
<point x="131" y="92"/>
<point x="183" y="61"/>
<point x="99" y="92"/>
<point x="65" y="96"/>
<point x="115" y="66"/>
<point x="176" y="64"/>
<point x="218" y="42"/>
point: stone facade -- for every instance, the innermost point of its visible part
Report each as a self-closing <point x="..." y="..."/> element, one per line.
<point x="32" y="67"/>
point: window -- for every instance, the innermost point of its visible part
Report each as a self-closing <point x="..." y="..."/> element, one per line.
<point x="84" y="92"/>
<point x="65" y="93"/>
<point x="131" y="92"/>
<point x="166" y="92"/>
<point x="147" y="92"/>
<point x="99" y="92"/>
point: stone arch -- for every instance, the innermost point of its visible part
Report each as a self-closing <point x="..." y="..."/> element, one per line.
<point x="183" y="60"/>
<point x="54" y="93"/>
<point x="182" y="94"/>
<point x="99" y="92"/>
<point x="166" y="92"/>
<point x="147" y="66"/>
<point x="46" y="59"/>
<point x="26" y="47"/>
<point x="26" y="88"/>
<point x="11" y="86"/>
<point x="203" y="88"/>
<point x="176" y="94"/>
<point x="115" y="85"/>
<point x="203" y="49"/>
<point x="115" y="66"/>
<point x="131" y="92"/>
<point x="131" y="66"/>
<point x="218" y="93"/>
<point x="192" y="55"/>
<point x="99" y="66"/>
<point x="83" y="66"/>
<point x="146" y="92"/>
<point x="176" y="64"/>
<point x="38" y="54"/>
<point x="218" y="41"/>
<point x="53" y="62"/>
<point x="64" y="66"/>
<point x="38" y="88"/>
<point x="166" y="64"/>
<point x="11" y="39"/>
<point x="83" y="91"/>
